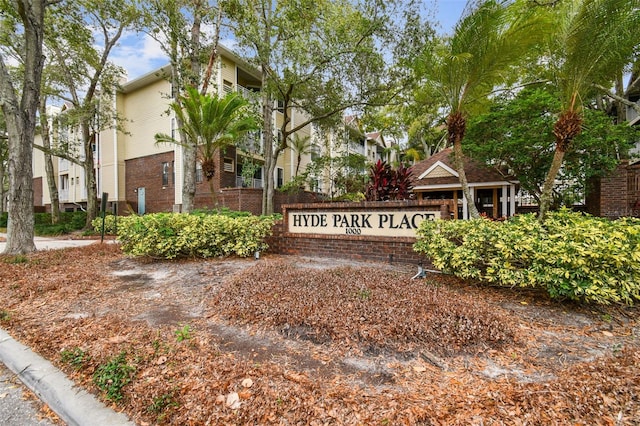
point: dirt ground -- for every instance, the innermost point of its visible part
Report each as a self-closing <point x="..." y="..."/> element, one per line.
<point x="269" y="341"/>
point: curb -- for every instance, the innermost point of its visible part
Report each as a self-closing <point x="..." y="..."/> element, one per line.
<point x="73" y="405"/>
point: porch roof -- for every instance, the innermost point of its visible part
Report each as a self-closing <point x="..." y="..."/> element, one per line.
<point x="437" y="172"/>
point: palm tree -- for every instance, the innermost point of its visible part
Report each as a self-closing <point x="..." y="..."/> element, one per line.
<point x="211" y="123"/>
<point x="594" y="40"/>
<point x="467" y="67"/>
<point x="302" y="146"/>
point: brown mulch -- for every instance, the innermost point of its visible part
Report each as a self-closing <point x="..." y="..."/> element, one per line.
<point x="288" y="340"/>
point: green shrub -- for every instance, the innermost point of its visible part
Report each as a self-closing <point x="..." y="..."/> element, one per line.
<point x="4" y="217"/>
<point x="69" y="222"/>
<point x="171" y="235"/>
<point x="111" y="223"/>
<point x="223" y="211"/>
<point x="571" y="256"/>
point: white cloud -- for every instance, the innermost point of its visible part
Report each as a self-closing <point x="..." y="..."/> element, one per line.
<point x="138" y="53"/>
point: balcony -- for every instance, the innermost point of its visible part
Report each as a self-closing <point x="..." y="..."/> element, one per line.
<point x="252" y="183"/>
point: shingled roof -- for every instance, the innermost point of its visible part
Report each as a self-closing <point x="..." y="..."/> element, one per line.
<point x="439" y="170"/>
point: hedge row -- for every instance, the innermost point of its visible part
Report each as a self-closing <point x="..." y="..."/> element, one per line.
<point x="171" y="235"/>
<point x="572" y="256"/>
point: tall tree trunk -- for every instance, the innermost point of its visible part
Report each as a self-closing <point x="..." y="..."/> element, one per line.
<point x="20" y="224"/>
<point x="189" y="155"/>
<point x="48" y="162"/>
<point x="3" y="174"/>
<point x="270" y="154"/>
<point x="89" y="174"/>
<point x="565" y="130"/>
<point x="456" y="128"/>
<point x="20" y="117"/>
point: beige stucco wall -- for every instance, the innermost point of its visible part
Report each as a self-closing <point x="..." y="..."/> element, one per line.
<point x="145" y="111"/>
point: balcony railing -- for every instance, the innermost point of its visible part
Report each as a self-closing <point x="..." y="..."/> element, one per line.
<point x="251" y="183"/>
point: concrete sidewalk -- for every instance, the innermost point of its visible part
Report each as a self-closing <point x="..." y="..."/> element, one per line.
<point x="47" y="243"/>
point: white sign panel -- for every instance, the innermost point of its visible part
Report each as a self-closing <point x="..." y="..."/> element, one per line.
<point x="372" y="223"/>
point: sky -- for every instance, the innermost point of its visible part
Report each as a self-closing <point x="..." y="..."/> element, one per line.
<point x="140" y="54"/>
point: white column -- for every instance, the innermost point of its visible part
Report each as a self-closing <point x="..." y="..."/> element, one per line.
<point x="512" y="193"/>
<point x="505" y="196"/>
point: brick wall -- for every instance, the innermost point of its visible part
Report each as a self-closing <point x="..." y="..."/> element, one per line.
<point x="146" y="172"/>
<point x="250" y="199"/>
<point x="356" y="247"/>
<point x="378" y="249"/>
<point x="617" y="194"/>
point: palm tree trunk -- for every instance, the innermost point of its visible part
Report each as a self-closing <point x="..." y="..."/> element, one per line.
<point x="546" y="197"/>
<point x="565" y="130"/>
<point x="456" y="127"/>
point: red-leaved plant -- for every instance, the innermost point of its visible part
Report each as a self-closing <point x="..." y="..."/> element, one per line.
<point x="387" y="184"/>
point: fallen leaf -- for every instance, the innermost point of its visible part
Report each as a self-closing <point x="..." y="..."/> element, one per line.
<point x="247" y="383"/>
<point x="233" y="401"/>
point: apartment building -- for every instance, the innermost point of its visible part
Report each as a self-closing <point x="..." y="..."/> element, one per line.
<point x="141" y="176"/>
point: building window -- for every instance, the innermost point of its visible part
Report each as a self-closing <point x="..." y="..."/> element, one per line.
<point x="227" y="87"/>
<point x="199" y="173"/>
<point x="279" y="177"/>
<point x="173" y="172"/>
<point x="165" y="174"/>
<point x="173" y="128"/>
<point x="64" y="182"/>
<point x="228" y="165"/>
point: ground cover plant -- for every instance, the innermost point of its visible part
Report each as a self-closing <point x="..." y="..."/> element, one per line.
<point x="289" y="340"/>
<point x="571" y="256"/>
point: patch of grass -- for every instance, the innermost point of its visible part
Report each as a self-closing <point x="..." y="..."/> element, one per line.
<point x="4" y="315"/>
<point x="17" y="259"/>
<point x="75" y="357"/>
<point x="112" y="376"/>
<point x="183" y="333"/>
<point x="162" y="402"/>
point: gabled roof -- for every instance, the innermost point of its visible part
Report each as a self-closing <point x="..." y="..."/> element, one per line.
<point x="439" y="170"/>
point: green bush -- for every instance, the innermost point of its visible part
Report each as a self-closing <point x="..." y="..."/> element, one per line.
<point x="69" y="222"/>
<point x="171" y="235"/>
<point x="111" y="223"/>
<point x="224" y="211"/>
<point x="4" y="217"/>
<point x="572" y="256"/>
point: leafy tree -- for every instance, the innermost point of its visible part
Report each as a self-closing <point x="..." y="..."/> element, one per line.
<point x="346" y="174"/>
<point x="517" y="134"/>
<point x="593" y="41"/>
<point x="317" y="57"/>
<point x="212" y="124"/>
<point x="178" y="26"/>
<point x="21" y="32"/>
<point x="467" y="67"/>
<point x="87" y="80"/>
